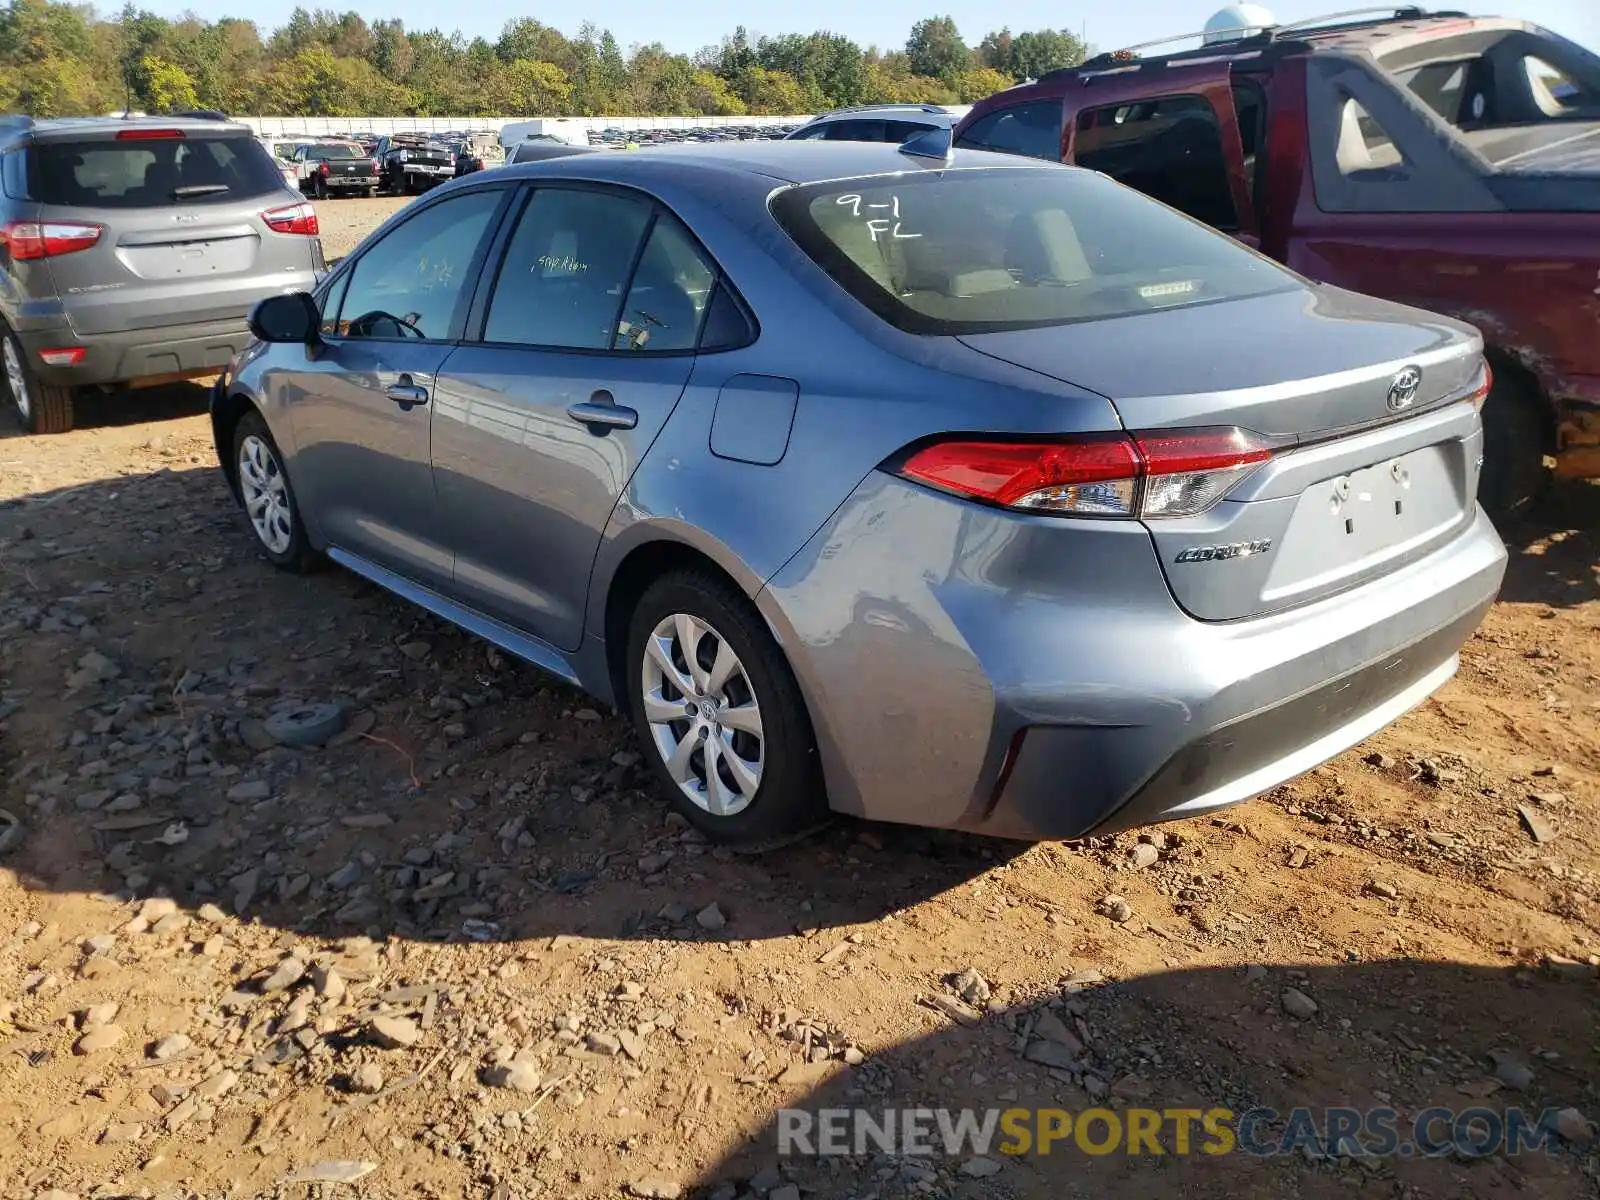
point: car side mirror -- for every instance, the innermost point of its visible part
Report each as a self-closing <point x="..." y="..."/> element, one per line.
<point x="289" y="319"/>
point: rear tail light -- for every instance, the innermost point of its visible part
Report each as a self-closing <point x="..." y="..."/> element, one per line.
<point x="1482" y="384"/>
<point x="46" y="239"/>
<point x="323" y="169"/>
<point x="1166" y="473"/>
<point x="293" y="218"/>
<point x="64" y="356"/>
<point x="148" y="135"/>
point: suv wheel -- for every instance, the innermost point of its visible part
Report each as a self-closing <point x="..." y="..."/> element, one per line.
<point x="42" y="407"/>
<point x="1514" y="473"/>
<point x="268" y="498"/>
<point x="719" y="712"/>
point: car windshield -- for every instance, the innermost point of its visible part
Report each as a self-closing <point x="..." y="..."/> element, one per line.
<point x="983" y="250"/>
<point x="150" y="172"/>
<point x="335" y="152"/>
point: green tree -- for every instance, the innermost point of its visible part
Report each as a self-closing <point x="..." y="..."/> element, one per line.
<point x="1044" y="50"/>
<point x="775" y="92"/>
<point x="935" y="49"/>
<point x="167" y="85"/>
<point x="531" y="88"/>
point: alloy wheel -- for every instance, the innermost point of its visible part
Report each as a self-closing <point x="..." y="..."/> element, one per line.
<point x="266" y="494"/>
<point x="16" y="379"/>
<point x="704" y="716"/>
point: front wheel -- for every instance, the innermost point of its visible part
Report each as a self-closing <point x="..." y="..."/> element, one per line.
<point x="1514" y="473"/>
<point x="268" y="499"/>
<point x="718" y="710"/>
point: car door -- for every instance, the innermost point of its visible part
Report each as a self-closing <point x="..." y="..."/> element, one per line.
<point x="362" y="404"/>
<point x="1174" y="136"/>
<point x="588" y="339"/>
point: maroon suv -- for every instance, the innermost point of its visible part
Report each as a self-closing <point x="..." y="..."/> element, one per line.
<point x="1440" y="160"/>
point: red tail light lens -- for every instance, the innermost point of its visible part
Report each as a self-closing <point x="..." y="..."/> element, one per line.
<point x="1177" y="473"/>
<point x="293" y="218"/>
<point x="63" y="356"/>
<point x="323" y="169"/>
<point x="1482" y="385"/>
<point x="148" y="135"/>
<point x="28" y="240"/>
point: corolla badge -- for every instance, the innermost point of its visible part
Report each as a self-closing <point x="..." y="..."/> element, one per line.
<point x="1404" y="387"/>
<point x="186" y="218"/>
<point x="1223" y="553"/>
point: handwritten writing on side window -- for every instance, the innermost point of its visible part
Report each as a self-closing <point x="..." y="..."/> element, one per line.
<point x="886" y="225"/>
<point x="559" y="264"/>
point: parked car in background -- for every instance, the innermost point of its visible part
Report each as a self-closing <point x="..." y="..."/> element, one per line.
<point x="412" y="163"/>
<point x="132" y="251"/>
<point x="538" y="149"/>
<point x="1445" y="161"/>
<point x="962" y="490"/>
<point x="477" y="152"/>
<point x="875" y="123"/>
<point x="291" y="177"/>
<point x="324" y="169"/>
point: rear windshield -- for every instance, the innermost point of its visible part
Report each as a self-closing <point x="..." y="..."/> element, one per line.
<point x="335" y="152"/>
<point x="978" y="251"/>
<point x="151" y="173"/>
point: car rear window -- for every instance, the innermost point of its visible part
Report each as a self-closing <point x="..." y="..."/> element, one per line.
<point x="978" y="251"/>
<point x="151" y="173"/>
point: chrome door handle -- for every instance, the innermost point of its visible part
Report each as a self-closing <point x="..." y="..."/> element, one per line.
<point x="406" y="395"/>
<point x="601" y="413"/>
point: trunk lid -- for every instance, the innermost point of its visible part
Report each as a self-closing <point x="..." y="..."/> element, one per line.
<point x="182" y="236"/>
<point x="1358" y="487"/>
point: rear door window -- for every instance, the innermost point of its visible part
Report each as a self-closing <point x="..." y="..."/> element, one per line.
<point x="1169" y="148"/>
<point x="566" y="269"/>
<point x="151" y="172"/>
<point x="1033" y="130"/>
<point x="668" y="294"/>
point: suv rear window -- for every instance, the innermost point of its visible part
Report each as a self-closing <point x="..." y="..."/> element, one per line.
<point x="979" y="251"/>
<point x="151" y="173"/>
<point x="334" y="151"/>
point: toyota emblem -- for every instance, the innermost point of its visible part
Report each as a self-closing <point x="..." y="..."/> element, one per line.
<point x="1403" y="389"/>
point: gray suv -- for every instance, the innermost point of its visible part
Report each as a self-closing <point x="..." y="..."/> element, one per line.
<point x="874" y="123"/>
<point x="132" y="250"/>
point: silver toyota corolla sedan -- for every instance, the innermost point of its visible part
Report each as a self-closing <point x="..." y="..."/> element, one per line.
<point x="954" y="489"/>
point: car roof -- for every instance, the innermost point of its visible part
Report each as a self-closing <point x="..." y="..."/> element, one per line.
<point x="795" y="162"/>
<point x="55" y="129"/>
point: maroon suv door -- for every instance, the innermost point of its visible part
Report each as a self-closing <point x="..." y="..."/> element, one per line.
<point x="1172" y="133"/>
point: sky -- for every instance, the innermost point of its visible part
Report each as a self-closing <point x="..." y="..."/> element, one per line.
<point x="685" y="28"/>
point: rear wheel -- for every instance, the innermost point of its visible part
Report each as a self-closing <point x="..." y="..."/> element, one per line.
<point x="41" y="407"/>
<point x="719" y="712"/>
<point x="1514" y="473"/>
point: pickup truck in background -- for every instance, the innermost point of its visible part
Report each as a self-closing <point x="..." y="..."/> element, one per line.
<point x="324" y="169"/>
<point x="1440" y="160"/>
<point x="412" y="163"/>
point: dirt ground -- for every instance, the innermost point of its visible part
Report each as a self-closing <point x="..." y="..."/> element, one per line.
<point x="463" y="951"/>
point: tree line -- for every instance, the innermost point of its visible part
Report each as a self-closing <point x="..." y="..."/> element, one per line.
<point x="62" y="59"/>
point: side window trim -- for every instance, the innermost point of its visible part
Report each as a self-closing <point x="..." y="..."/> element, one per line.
<point x="457" y="330"/>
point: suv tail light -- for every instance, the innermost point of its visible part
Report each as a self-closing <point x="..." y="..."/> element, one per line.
<point x="293" y="218"/>
<point x="322" y="169"/>
<point x="46" y="239"/>
<point x="1162" y="473"/>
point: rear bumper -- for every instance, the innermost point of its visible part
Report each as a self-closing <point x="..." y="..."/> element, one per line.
<point x="347" y="183"/>
<point x="134" y="355"/>
<point x="1019" y="680"/>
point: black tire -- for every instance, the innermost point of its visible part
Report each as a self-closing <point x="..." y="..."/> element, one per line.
<point x="790" y="796"/>
<point x="44" y="408"/>
<point x="1514" y="438"/>
<point x="296" y="555"/>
